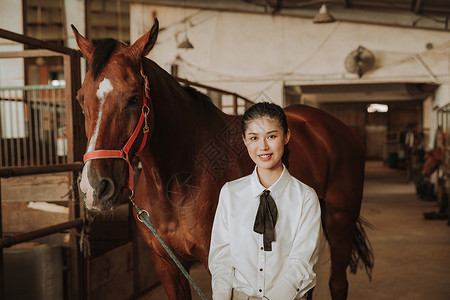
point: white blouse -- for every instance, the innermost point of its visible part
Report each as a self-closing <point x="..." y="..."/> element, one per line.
<point x="237" y="258"/>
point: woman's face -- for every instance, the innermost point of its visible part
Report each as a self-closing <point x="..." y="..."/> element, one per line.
<point x="265" y="142"/>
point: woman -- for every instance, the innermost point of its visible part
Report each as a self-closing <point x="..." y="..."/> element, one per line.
<point x="267" y="227"/>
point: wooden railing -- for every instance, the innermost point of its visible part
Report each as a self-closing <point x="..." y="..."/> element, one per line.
<point x="229" y="102"/>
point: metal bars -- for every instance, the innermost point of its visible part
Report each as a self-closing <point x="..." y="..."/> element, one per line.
<point x="33" y="127"/>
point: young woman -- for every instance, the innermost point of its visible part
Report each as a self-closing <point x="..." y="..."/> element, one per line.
<point x="266" y="231"/>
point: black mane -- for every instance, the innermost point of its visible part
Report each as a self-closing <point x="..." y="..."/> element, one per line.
<point x="201" y="99"/>
<point x="103" y="50"/>
<point x="194" y="93"/>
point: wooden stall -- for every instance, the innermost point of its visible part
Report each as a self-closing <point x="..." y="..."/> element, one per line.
<point x="24" y="185"/>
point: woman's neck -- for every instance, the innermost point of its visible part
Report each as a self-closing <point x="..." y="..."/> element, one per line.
<point x="267" y="177"/>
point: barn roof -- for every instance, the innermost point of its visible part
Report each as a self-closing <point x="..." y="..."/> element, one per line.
<point x="429" y="14"/>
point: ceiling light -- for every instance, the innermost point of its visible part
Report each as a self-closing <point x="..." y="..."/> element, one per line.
<point x="375" y="107"/>
<point x="323" y="16"/>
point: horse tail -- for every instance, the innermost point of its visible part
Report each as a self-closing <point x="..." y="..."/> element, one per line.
<point x="362" y="253"/>
<point x="362" y="250"/>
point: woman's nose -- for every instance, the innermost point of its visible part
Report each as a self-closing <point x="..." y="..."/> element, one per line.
<point x="263" y="145"/>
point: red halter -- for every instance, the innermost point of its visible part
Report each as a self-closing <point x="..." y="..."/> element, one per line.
<point x="124" y="153"/>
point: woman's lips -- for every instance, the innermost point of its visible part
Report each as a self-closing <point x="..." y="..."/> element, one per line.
<point x="265" y="157"/>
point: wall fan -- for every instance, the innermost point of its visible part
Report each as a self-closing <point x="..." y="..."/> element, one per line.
<point x="359" y="61"/>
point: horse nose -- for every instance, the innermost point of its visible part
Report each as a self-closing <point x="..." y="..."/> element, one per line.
<point x="105" y="189"/>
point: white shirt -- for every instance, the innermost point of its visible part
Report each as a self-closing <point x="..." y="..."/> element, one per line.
<point x="237" y="258"/>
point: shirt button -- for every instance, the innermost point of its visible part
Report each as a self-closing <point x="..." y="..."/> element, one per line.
<point x="262" y="248"/>
<point x="260" y="290"/>
<point x="261" y="270"/>
<point x="298" y="290"/>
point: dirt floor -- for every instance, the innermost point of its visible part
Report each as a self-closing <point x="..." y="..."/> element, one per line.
<point x="412" y="255"/>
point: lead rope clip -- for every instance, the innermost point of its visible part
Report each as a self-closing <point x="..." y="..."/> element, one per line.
<point x="146" y="111"/>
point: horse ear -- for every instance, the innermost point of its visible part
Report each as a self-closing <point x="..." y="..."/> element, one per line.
<point x="85" y="46"/>
<point x="145" y="43"/>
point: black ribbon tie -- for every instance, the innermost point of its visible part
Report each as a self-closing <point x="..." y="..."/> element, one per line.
<point x="266" y="218"/>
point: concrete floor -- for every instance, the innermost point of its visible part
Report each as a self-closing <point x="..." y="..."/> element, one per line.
<point x="412" y="255"/>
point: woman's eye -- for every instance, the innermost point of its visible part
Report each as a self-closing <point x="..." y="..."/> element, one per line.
<point x="253" y="138"/>
<point x="133" y="101"/>
<point x="272" y="136"/>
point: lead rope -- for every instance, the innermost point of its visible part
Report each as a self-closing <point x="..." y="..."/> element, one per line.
<point x="143" y="216"/>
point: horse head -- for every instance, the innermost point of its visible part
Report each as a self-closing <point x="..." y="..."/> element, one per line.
<point x="433" y="159"/>
<point x="114" y="103"/>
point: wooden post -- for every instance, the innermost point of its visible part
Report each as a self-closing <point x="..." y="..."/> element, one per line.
<point x="76" y="144"/>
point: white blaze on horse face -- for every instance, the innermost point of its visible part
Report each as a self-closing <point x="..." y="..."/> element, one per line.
<point x="103" y="89"/>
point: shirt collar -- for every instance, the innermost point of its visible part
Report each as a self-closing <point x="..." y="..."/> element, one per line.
<point x="275" y="189"/>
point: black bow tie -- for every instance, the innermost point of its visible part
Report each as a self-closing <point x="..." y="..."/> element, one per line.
<point x="266" y="218"/>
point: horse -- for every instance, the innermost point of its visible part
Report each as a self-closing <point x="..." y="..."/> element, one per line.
<point x="433" y="159"/>
<point x="189" y="149"/>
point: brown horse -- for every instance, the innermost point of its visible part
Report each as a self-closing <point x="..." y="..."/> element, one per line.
<point x="193" y="149"/>
<point x="433" y="159"/>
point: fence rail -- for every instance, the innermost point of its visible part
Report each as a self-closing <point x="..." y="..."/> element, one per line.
<point x="229" y="102"/>
<point x="22" y="171"/>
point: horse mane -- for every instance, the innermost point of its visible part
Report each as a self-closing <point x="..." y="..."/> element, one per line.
<point x="196" y="94"/>
<point x="200" y="98"/>
<point x="103" y="50"/>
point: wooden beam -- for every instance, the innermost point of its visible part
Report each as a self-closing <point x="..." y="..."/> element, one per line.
<point x="38" y="43"/>
<point x="29" y="53"/>
<point x="417" y="5"/>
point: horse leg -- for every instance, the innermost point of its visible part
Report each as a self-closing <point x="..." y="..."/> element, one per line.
<point x="340" y="240"/>
<point x="340" y="226"/>
<point x="173" y="281"/>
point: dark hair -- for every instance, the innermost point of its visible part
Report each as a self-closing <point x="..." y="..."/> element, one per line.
<point x="265" y="109"/>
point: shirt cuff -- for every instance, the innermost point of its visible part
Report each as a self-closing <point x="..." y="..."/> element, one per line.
<point x="222" y="296"/>
<point x="282" y="290"/>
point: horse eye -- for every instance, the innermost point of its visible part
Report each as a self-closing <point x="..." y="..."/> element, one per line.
<point x="133" y="100"/>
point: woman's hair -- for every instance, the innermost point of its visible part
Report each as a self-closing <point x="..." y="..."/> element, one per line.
<point x="265" y="109"/>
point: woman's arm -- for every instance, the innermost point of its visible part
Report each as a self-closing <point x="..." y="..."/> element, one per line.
<point x="219" y="260"/>
<point x="299" y="276"/>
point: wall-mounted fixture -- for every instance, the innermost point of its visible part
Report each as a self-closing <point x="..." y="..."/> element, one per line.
<point x="323" y="16"/>
<point x="359" y="61"/>
<point x="185" y="43"/>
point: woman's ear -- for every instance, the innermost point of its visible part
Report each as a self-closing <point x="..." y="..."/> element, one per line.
<point x="287" y="137"/>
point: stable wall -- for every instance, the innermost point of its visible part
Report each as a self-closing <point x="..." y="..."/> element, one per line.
<point x="257" y="55"/>
<point x="247" y="52"/>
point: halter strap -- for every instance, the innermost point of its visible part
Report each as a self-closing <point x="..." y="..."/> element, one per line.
<point x="124" y="153"/>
